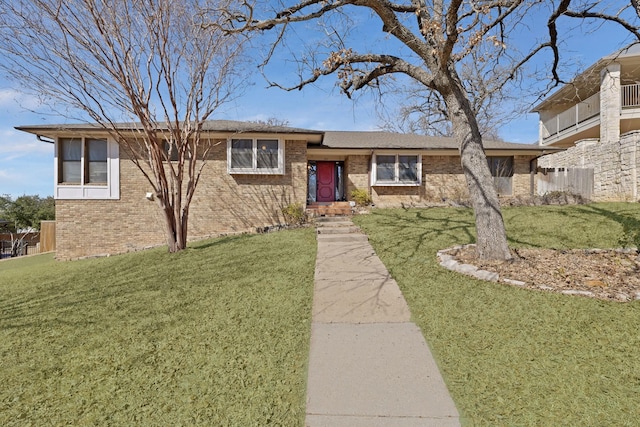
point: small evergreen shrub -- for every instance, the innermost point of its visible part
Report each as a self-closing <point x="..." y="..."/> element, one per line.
<point x="294" y="214"/>
<point x="361" y="197"/>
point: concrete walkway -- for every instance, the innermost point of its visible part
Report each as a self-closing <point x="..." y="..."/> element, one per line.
<point x="369" y="366"/>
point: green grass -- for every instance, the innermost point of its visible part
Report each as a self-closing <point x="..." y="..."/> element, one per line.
<point x="516" y="357"/>
<point x="215" y="335"/>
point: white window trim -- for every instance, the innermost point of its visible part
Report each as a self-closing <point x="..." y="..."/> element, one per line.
<point x="396" y="182"/>
<point x="108" y="191"/>
<point x="254" y="170"/>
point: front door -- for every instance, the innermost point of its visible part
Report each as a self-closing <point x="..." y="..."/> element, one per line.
<point x="326" y="174"/>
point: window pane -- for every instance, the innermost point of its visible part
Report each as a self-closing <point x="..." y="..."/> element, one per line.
<point x="503" y="185"/>
<point x="71" y="172"/>
<point x="267" y="154"/>
<point x="313" y="186"/>
<point x="501" y="166"/>
<point x="385" y="168"/>
<point x="502" y="172"/>
<point x="241" y="154"/>
<point x="70" y="152"/>
<point x="172" y="151"/>
<point x="408" y="168"/>
<point x="97" y="161"/>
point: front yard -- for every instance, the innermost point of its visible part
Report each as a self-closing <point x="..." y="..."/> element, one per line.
<point x="515" y="357"/>
<point x="216" y="335"/>
<point x="219" y="334"/>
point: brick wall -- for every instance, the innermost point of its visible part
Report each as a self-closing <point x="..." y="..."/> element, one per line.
<point x="522" y="176"/>
<point x="357" y="170"/>
<point x="442" y="180"/>
<point x="615" y="165"/>
<point x="223" y="203"/>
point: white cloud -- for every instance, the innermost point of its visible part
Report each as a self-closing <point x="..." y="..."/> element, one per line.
<point x="14" y="98"/>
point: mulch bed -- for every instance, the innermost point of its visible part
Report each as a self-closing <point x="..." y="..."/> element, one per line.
<point x="597" y="273"/>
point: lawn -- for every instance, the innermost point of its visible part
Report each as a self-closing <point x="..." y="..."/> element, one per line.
<point x="215" y="335"/>
<point x="516" y="357"/>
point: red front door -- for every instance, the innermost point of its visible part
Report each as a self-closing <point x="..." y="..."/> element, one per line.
<point x="326" y="173"/>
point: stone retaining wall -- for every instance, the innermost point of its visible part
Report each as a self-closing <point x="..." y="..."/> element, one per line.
<point x="615" y="165"/>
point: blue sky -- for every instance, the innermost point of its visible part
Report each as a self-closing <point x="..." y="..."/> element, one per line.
<point x="26" y="164"/>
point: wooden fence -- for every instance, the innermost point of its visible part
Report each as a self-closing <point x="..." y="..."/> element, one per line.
<point x="47" y="236"/>
<point x="568" y="180"/>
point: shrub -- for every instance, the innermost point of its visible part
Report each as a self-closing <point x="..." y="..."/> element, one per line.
<point x="294" y="214"/>
<point x="361" y="197"/>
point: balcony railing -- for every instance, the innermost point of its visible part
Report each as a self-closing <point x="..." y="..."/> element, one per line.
<point x="575" y="115"/>
<point x="631" y="96"/>
<point x="587" y="109"/>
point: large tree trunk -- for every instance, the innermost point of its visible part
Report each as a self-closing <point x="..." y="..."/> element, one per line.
<point x="490" y="231"/>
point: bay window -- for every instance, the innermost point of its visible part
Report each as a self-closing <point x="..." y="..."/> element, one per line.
<point x="86" y="168"/>
<point x="396" y="169"/>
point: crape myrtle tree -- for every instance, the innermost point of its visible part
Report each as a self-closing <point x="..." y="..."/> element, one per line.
<point x="431" y="42"/>
<point x="146" y="71"/>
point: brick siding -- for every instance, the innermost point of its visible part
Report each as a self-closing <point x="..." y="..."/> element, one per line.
<point x="442" y="181"/>
<point x="223" y="203"/>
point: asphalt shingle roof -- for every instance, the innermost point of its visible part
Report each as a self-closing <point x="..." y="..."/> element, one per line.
<point x="210" y="125"/>
<point x="330" y="139"/>
<point x="389" y="140"/>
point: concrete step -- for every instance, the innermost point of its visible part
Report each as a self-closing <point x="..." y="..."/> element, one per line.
<point x="342" y="238"/>
<point x="329" y="210"/>
<point x="333" y="219"/>
<point x="338" y="222"/>
<point x="338" y="230"/>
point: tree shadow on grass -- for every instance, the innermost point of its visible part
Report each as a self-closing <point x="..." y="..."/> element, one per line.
<point x="630" y="224"/>
<point x="425" y="227"/>
<point x="206" y="244"/>
<point x="432" y="229"/>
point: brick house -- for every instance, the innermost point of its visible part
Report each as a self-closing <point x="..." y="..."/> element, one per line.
<point x="253" y="171"/>
<point x="596" y="118"/>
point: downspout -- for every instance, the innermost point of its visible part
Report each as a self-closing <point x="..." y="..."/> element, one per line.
<point x="41" y="138"/>
<point x="369" y="166"/>
<point x="532" y="174"/>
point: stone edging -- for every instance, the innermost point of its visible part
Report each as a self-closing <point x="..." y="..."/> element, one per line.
<point x="450" y="263"/>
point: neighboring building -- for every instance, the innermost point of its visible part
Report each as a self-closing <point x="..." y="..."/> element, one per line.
<point x="253" y="171"/>
<point x="597" y="118"/>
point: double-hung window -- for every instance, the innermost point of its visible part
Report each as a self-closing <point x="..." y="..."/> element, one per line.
<point x="255" y="156"/>
<point x="396" y="169"/>
<point x="87" y="168"/>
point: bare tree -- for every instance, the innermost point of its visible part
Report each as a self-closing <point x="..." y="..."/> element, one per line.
<point x="431" y="42"/>
<point x="423" y="111"/>
<point x="147" y="62"/>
